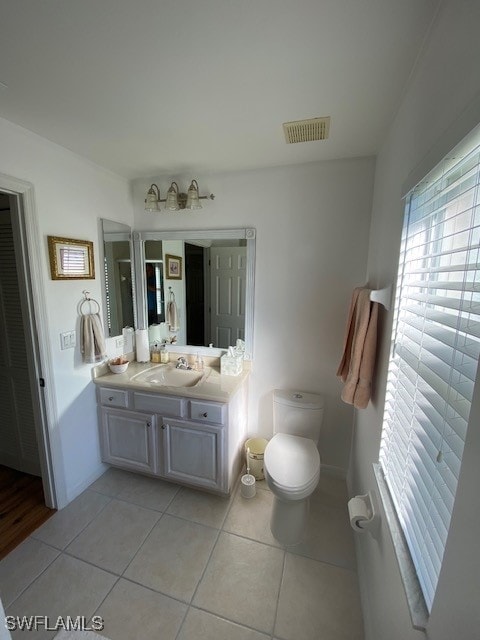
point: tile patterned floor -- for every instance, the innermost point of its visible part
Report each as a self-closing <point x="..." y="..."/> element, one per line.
<point x="155" y="560"/>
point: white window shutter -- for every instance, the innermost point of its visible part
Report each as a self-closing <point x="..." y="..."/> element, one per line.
<point x="435" y="353"/>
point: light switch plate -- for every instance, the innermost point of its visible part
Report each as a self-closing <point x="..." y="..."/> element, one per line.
<point x="68" y="340"/>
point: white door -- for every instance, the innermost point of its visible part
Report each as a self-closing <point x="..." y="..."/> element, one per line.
<point x="18" y="440"/>
<point x="227" y="290"/>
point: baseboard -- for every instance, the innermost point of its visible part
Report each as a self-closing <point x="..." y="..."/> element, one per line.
<point x="80" y="488"/>
<point x="330" y="470"/>
<point x="362" y="586"/>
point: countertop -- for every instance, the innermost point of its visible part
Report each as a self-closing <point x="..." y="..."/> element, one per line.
<point x="213" y="386"/>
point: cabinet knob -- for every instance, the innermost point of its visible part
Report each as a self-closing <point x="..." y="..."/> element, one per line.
<point x="204" y="415"/>
<point x="163" y="426"/>
<point x="110" y="398"/>
<point x="149" y="424"/>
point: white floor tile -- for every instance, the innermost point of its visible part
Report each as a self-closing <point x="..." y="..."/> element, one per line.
<point x="328" y="536"/>
<point x="113" y="481"/>
<point x="22" y="566"/>
<point x="318" y="601"/>
<point x="112" y="539"/>
<point x="161" y="538"/>
<point x="332" y="491"/>
<point x="200" y="625"/>
<point x="250" y="517"/>
<point x="132" y="612"/>
<point x="65" y="525"/>
<point x="67" y="587"/>
<point x="173" y="557"/>
<point x="77" y="635"/>
<point x="241" y="582"/>
<point x="151" y="493"/>
<point x="200" y="507"/>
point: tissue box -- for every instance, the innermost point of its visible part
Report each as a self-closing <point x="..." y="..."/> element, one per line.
<point x="231" y="365"/>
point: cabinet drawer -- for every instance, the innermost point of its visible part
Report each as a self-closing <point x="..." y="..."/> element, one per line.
<point x="207" y="411"/>
<point x="163" y="405"/>
<point x="114" y="397"/>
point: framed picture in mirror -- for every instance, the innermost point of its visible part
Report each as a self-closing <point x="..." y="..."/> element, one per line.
<point x="173" y="269"/>
<point x="71" y="259"/>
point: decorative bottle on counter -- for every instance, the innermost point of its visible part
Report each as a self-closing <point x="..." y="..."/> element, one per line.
<point x="155" y="354"/>
<point x="164" y="355"/>
<point x="199" y="365"/>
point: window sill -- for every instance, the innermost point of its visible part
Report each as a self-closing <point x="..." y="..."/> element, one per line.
<point x="416" y="603"/>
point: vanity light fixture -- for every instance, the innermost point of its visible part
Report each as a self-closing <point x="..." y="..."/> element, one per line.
<point x="175" y="200"/>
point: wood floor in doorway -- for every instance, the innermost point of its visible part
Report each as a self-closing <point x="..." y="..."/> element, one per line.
<point x="22" y="507"/>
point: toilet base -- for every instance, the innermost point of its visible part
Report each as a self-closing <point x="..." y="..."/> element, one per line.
<point x="289" y="520"/>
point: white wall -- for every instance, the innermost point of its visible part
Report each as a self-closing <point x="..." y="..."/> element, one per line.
<point x="71" y="194"/>
<point x="440" y="105"/>
<point x="312" y="225"/>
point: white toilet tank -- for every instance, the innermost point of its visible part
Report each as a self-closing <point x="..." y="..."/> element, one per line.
<point x="297" y="413"/>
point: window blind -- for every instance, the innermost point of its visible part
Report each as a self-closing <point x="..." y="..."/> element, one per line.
<point x="107" y="296"/>
<point x="435" y="353"/>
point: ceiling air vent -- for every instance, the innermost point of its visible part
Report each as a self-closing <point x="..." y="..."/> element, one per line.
<point x="307" y="130"/>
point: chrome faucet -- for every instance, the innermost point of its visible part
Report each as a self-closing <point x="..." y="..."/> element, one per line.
<point x="183" y="364"/>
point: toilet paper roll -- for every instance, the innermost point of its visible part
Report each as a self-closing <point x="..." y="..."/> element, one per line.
<point x="141" y="345"/>
<point x="359" y="514"/>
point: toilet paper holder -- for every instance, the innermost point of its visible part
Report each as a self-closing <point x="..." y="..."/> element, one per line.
<point x="363" y="513"/>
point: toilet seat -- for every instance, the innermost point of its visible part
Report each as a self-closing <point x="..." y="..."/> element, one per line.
<point x="292" y="464"/>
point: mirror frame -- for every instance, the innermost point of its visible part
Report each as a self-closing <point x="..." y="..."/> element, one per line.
<point x="247" y="234"/>
<point x="114" y="236"/>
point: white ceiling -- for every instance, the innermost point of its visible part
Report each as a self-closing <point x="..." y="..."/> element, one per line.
<point x="150" y="87"/>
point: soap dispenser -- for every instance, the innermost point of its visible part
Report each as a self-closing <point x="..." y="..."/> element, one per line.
<point x="199" y="365"/>
<point x="164" y="355"/>
<point x="155" y="355"/>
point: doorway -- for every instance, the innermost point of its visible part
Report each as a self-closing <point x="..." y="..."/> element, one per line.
<point x="18" y="439"/>
<point x="195" y="294"/>
<point x="25" y="456"/>
<point x="22" y="500"/>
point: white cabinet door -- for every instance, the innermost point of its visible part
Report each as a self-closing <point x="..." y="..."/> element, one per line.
<point x="193" y="454"/>
<point x="128" y="440"/>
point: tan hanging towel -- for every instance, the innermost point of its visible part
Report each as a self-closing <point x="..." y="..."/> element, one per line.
<point x="92" y="339"/>
<point x="358" y="361"/>
<point x="172" y="313"/>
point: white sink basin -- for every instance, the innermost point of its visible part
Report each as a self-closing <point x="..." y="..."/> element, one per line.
<point x="168" y="375"/>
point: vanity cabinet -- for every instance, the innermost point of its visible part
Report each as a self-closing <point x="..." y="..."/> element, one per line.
<point x="193" y="442"/>
<point x="127" y="439"/>
<point x="194" y="454"/>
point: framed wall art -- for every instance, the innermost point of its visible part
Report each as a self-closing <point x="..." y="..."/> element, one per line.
<point x="173" y="270"/>
<point x="71" y="259"/>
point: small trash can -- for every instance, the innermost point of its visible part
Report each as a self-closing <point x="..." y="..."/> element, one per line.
<point x="254" y="450"/>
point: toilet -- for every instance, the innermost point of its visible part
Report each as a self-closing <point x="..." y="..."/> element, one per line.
<point x="292" y="461"/>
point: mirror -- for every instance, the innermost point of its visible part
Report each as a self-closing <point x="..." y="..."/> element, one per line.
<point x="196" y="287"/>
<point x="117" y="281"/>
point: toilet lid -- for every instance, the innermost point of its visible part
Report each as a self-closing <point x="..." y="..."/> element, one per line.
<point x="291" y="461"/>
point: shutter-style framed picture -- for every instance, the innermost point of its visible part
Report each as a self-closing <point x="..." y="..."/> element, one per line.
<point x="71" y="259"/>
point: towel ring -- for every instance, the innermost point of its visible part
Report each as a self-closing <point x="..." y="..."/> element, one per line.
<point x="89" y="300"/>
